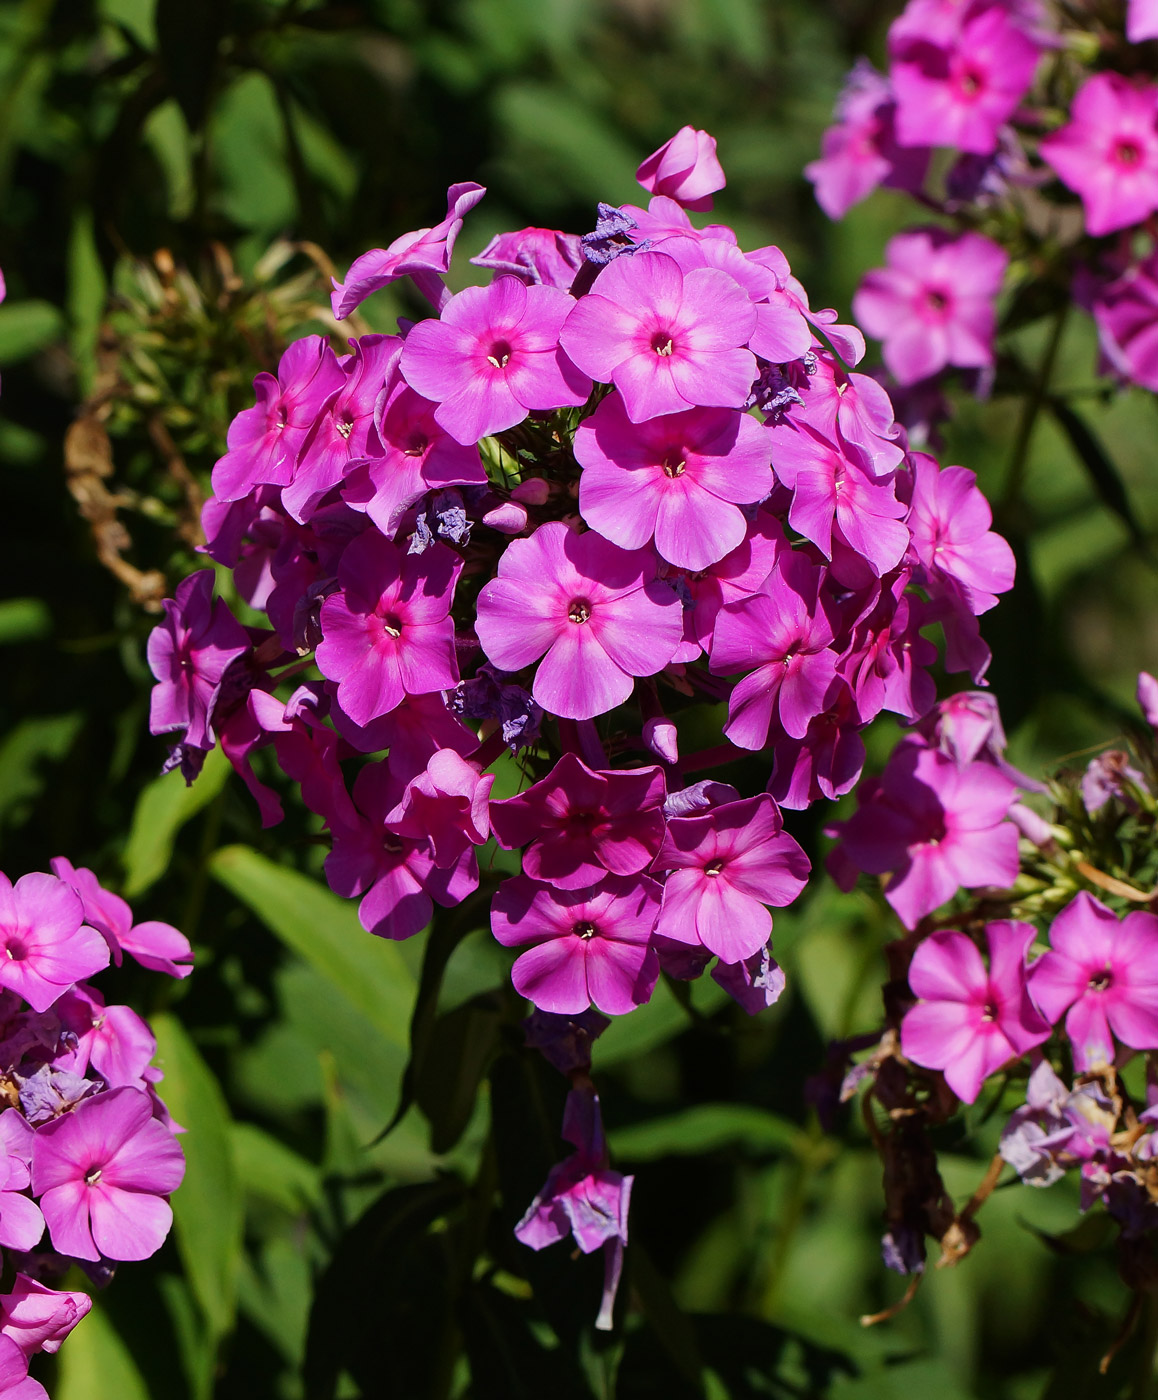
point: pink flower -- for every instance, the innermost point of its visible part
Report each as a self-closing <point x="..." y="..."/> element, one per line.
<point x="1108" y="152"/>
<point x="1125" y="310"/>
<point x="1105" y="971"/>
<point x="1147" y="697"/>
<point x="264" y="441"/>
<point x="539" y="256"/>
<point x="387" y="632"/>
<point x="102" y="1173"/>
<point x="859" y="151"/>
<point x="448" y="805"/>
<point x="970" y="1021"/>
<point x="493" y="357"/>
<point x="667" y="340"/>
<point x="15" y="1382"/>
<point x="581" y="824"/>
<point x="936" y="826"/>
<point x="933" y="304"/>
<point x="45" y="945"/>
<point x="684" y="169"/>
<point x="424" y="255"/>
<point x="726" y="865"/>
<point x="155" y="945"/>
<point x="596" y="614"/>
<point x="959" y="92"/>
<point x="38" y="1318"/>
<point x="781" y="636"/>
<point x="680" y="479"/>
<point x="21" y="1223"/>
<point x="949" y="520"/>
<point x="1141" y="20"/>
<point x="588" y="947"/>
<point x="189" y="653"/>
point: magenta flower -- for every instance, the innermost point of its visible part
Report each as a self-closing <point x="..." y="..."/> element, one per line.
<point x="1125" y="310"/>
<point x="933" y="304"/>
<point x="424" y="255"/>
<point x="448" y="804"/>
<point x="45" y="945"/>
<point x="827" y="762"/>
<point x="587" y="947"/>
<point x="684" y="169"/>
<point x="970" y="1021"/>
<point x="188" y="653"/>
<point x="1103" y="972"/>
<point x="21" y="1223"/>
<point x="388" y="632"/>
<point x="155" y="945"/>
<point x="15" y="1382"/>
<point x="781" y="636"/>
<point x="859" y="151"/>
<point x="596" y="614"/>
<point x="493" y="357"/>
<point x="754" y="984"/>
<point x="680" y="479"/>
<point x="581" y="824"/>
<point x="949" y="520"/>
<point x="1108" y="152"/>
<point x="102" y="1173"/>
<point x="936" y="826"/>
<point x="1141" y="20"/>
<point x="37" y="1318"/>
<point x="726" y="865"/>
<point x="1147" y="697"/>
<point x="540" y="256"/>
<point x="961" y="91"/>
<point x="264" y="441"/>
<point x="667" y="340"/>
<point x="833" y="499"/>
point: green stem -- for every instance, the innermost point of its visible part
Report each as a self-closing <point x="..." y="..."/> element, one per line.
<point x="1019" y="461"/>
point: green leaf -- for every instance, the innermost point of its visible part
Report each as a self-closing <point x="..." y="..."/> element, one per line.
<point x="42" y="739"/>
<point x="324" y="929"/>
<point x="96" y="1365"/>
<point x="657" y="1021"/>
<point x="459" y="1053"/>
<point x="207" y="1207"/>
<point x="704" y="1129"/>
<point x="24" y="620"/>
<point x="269" y="1169"/>
<point x="1104" y="475"/>
<point x="162" y="810"/>
<point x="26" y="327"/>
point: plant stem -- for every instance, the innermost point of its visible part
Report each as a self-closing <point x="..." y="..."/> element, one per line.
<point x="1019" y="462"/>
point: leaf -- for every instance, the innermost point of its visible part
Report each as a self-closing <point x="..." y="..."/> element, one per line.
<point x="324" y="929"/>
<point x="187" y="40"/>
<point x="674" y="1330"/>
<point x="1104" y="475"/>
<point x="657" y="1021"/>
<point x="162" y="809"/>
<point x="26" y="327"/>
<point x="24" y="620"/>
<point x="95" y="1364"/>
<point x="276" y="1173"/>
<point x="207" y="1207"/>
<point x="705" y="1128"/>
<point x="461" y="1047"/>
<point x="45" y="738"/>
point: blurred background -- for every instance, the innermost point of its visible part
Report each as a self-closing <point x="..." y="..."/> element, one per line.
<point x="177" y="180"/>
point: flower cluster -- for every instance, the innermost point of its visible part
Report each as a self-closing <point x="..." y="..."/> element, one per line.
<point x="983" y="79"/>
<point x="635" y="469"/>
<point x="1062" y="1003"/>
<point x="87" y="1148"/>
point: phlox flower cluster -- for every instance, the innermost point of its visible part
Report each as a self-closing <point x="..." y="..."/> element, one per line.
<point x="983" y="80"/>
<point x="633" y="469"/>
<point x="88" y="1152"/>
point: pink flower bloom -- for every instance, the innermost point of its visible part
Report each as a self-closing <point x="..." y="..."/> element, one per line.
<point x="833" y="499"/>
<point x="539" y="256"/>
<point x="448" y="805"/>
<point x="1125" y="310"/>
<point x="684" y="169"/>
<point x="850" y="410"/>
<point x="15" y="1382"/>
<point x="738" y="575"/>
<point x="961" y="91"/>
<point x="936" y="826"/>
<point x="588" y="947"/>
<point x="264" y="441"/>
<point x="1105" y="971"/>
<point x="970" y="1021"/>
<point x="726" y="865"/>
<point x="582" y="824"/>
<point x="424" y="255"/>
<point x="949" y="520"/>
<point x="38" y="1318"/>
<point x="781" y="637"/>
<point x="188" y="653"/>
<point x="387" y="632"/>
<point x="754" y="984"/>
<point x="493" y="357"/>
<point x="680" y="479"/>
<point x="859" y="151"/>
<point x="827" y="762"/>
<point x="21" y="1223"/>
<point x="933" y="304"/>
<point x="102" y="1173"/>
<point x="1141" y="20"/>
<point x="667" y="340"/>
<point x="45" y="945"/>
<point x="1108" y="152"/>
<point x="1147" y="696"/>
<point x="155" y="945"/>
<point x="596" y="614"/>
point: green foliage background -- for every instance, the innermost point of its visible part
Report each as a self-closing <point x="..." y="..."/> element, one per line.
<point x="130" y="126"/>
